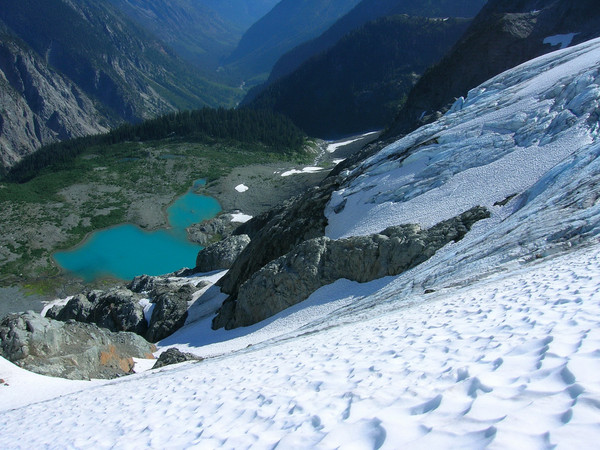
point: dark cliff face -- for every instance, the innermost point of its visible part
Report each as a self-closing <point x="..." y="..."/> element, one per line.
<point x="288" y="24"/>
<point x="359" y="83"/>
<point x="504" y="35"/>
<point x="38" y="105"/>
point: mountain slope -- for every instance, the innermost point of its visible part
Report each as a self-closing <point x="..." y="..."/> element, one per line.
<point x="39" y="106"/>
<point x="491" y="342"/>
<point x="197" y="33"/>
<point x="503" y="35"/>
<point x="106" y="62"/>
<point x="288" y="24"/>
<point x="366" y="11"/>
<point x="359" y="84"/>
<point x="242" y="13"/>
<point x="125" y="68"/>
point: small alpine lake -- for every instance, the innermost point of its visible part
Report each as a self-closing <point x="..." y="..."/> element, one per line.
<point x="126" y="251"/>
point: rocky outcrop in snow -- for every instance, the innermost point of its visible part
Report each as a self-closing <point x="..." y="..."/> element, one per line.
<point x="70" y="350"/>
<point x="317" y="262"/>
<point x="222" y="254"/>
<point x="174" y="356"/>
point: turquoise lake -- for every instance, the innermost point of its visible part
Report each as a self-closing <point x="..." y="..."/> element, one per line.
<point x="126" y="251"/>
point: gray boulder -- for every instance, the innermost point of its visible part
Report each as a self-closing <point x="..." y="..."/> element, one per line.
<point x="170" y="311"/>
<point x="70" y="349"/>
<point x="78" y="308"/>
<point x="118" y="310"/>
<point x="174" y="356"/>
<point x="222" y="254"/>
<point x="317" y="262"/>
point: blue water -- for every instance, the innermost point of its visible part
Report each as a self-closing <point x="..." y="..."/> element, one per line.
<point x="126" y="251"/>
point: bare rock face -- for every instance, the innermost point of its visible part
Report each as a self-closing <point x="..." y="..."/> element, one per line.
<point x="174" y="356"/>
<point x="222" y="254"/>
<point x="70" y="349"/>
<point x="170" y="311"/>
<point x="212" y="230"/>
<point x="39" y="105"/>
<point x="317" y="262"/>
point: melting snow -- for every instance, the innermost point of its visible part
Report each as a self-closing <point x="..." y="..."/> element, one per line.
<point x="241" y="188"/>
<point x="305" y="170"/>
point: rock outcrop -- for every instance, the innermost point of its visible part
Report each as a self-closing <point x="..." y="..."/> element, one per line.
<point x="71" y="350"/>
<point x="115" y="310"/>
<point x="170" y="310"/>
<point x="317" y="262"/>
<point x="122" y="310"/>
<point x="174" y="356"/>
<point x="212" y="230"/>
<point x="222" y="254"/>
<point x="278" y="231"/>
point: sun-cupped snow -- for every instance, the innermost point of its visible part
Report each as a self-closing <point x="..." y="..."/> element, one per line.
<point x="510" y="362"/>
<point x="493" y="342"/>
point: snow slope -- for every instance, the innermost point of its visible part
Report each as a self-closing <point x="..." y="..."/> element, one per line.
<point x="492" y="343"/>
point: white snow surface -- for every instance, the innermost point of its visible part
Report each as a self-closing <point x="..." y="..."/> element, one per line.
<point x="332" y="147"/>
<point x="494" y="342"/>
<point x="310" y="169"/>
<point x="240" y="217"/>
<point x="241" y="188"/>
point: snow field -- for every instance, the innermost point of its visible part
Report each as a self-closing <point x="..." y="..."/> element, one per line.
<point x="510" y="362"/>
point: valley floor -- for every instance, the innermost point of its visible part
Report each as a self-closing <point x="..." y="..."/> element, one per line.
<point x="510" y="361"/>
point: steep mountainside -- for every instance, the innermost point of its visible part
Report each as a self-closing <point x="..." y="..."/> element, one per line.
<point x="38" y="104"/>
<point x="288" y="24"/>
<point x="503" y="35"/>
<point x="126" y="71"/>
<point x="242" y="13"/>
<point x="364" y="12"/>
<point x="359" y="84"/>
<point x="196" y="32"/>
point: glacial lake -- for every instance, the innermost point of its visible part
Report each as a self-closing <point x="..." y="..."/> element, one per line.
<point x="126" y="251"/>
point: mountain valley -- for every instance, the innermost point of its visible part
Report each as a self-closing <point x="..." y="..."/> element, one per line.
<point x="427" y="277"/>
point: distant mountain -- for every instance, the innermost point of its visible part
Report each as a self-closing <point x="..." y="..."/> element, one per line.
<point x="38" y="104"/>
<point x="242" y="13"/>
<point x="364" y="12"/>
<point x="196" y="32"/>
<point x="505" y="34"/>
<point x="287" y="25"/>
<point x="88" y="45"/>
<point x="359" y="84"/>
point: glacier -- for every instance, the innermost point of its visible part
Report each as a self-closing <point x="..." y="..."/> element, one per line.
<point x="494" y="342"/>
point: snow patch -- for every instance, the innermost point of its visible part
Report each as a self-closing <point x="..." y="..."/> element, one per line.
<point x="564" y="40"/>
<point x="241" y="188"/>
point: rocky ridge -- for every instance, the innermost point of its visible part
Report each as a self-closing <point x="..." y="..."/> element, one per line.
<point x="317" y="262"/>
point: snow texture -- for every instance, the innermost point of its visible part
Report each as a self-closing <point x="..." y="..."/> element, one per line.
<point x="241" y="188"/>
<point x="564" y="40"/>
<point x="493" y="342"/>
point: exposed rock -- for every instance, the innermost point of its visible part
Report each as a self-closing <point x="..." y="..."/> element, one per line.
<point x="39" y="105"/>
<point x="71" y="350"/>
<point x="222" y="254"/>
<point x="78" y="308"/>
<point x="278" y="231"/>
<point x="170" y="311"/>
<point x="317" y="262"/>
<point x="174" y="356"/>
<point x="119" y="310"/>
<point x="213" y="230"/>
